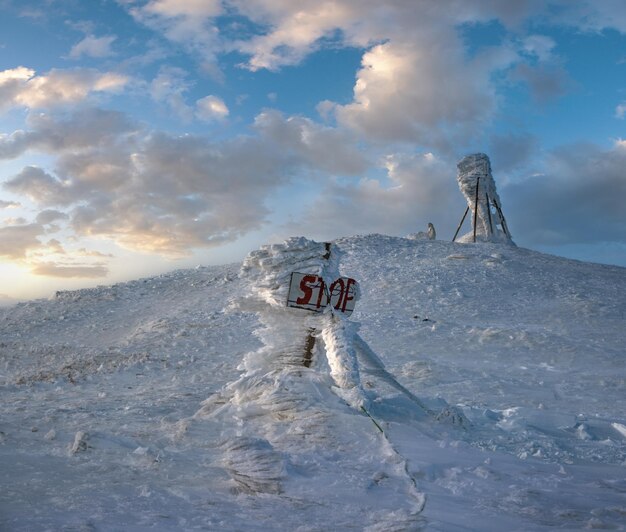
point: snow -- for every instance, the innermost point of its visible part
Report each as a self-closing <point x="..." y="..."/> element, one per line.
<point x="181" y="402"/>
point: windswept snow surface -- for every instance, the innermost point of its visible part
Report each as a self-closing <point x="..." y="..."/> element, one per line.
<point x="497" y="375"/>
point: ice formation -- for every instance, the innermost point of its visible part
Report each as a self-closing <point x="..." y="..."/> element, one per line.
<point x="429" y="234"/>
<point x="305" y="374"/>
<point x="479" y="188"/>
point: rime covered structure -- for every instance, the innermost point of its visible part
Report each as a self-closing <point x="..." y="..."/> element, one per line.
<point x="479" y="188"/>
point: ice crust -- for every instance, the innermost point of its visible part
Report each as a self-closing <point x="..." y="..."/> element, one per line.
<point x="474" y="171"/>
<point x="496" y="373"/>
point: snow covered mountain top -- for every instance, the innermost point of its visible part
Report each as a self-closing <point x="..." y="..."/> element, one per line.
<point x="124" y="408"/>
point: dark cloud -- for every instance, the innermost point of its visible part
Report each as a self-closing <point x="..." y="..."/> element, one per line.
<point x="512" y="151"/>
<point x="578" y="199"/>
<point x="545" y="82"/>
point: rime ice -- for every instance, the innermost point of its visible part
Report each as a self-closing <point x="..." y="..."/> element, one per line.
<point x="483" y="203"/>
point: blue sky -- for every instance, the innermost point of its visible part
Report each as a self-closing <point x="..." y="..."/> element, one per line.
<point x="139" y="136"/>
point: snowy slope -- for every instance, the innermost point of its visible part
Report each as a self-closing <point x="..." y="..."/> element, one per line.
<point x="144" y="405"/>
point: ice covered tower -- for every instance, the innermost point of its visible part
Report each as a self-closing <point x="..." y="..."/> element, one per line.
<point x="479" y="188"/>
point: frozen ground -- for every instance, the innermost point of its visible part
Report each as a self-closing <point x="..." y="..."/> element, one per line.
<point x="134" y="407"/>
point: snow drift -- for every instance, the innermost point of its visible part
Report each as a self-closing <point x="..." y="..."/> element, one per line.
<point x="182" y="401"/>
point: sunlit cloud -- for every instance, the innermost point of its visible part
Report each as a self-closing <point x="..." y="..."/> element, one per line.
<point x="211" y="108"/>
<point x="9" y="204"/>
<point x="155" y="192"/>
<point x="53" y="269"/>
<point x="22" y="87"/>
<point x="17" y="240"/>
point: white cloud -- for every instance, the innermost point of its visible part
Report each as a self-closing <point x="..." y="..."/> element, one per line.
<point x="295" y="31"/>
<point x="620" y="110"/>
<point x="15" y="74"/>
<point x="21" y="87"/>
<point x="211" y="108"/>
<point x="92" y="46"/>
<point x="9" y="204"/>
<point x="421" y="92"/>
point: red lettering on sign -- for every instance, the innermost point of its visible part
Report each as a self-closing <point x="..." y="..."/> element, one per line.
<point x="306" y="289"/>
<point x="309" y="291"/>
<point x="346" y="296"/>
<point x="332" y="292"/>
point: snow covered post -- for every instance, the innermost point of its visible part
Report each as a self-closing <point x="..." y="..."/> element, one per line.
<point x="479" y="188"/>
<point x="289" y="334"/>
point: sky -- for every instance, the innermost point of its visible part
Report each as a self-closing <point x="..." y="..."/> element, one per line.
<point x="142" y="136"/>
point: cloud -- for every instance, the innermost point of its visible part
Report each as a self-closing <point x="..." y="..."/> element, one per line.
<point x="416" y="189"/>
<point x="579" y="198"/>
<point x="512" y="151"/>
<point x="155" y="192"/>
<point x="329" y="149"/>
<point x="211" y="108"/>
<point x="540" y="46"/>
<point x="20" y="87"/>
<point x="620" y="110"/>
<point x="430" y="94"/>
<point x="22" y="243"/>
<point x="295" y="30"/>
<point x="590" y="15"/>
<point x="91" y="46"/>
<point x="190" y="23"/>
<point x="39" y="186"/>
<point x="49" y="216"/>
<point x="17" y="240"/>
<point x="52" y="133"/>
<point x="169" y="87"/>
<point x="417" y="81"/>
<point x="54" y="269"/>
<point x="9" y="204"/>
<point x="546" y="82"/>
